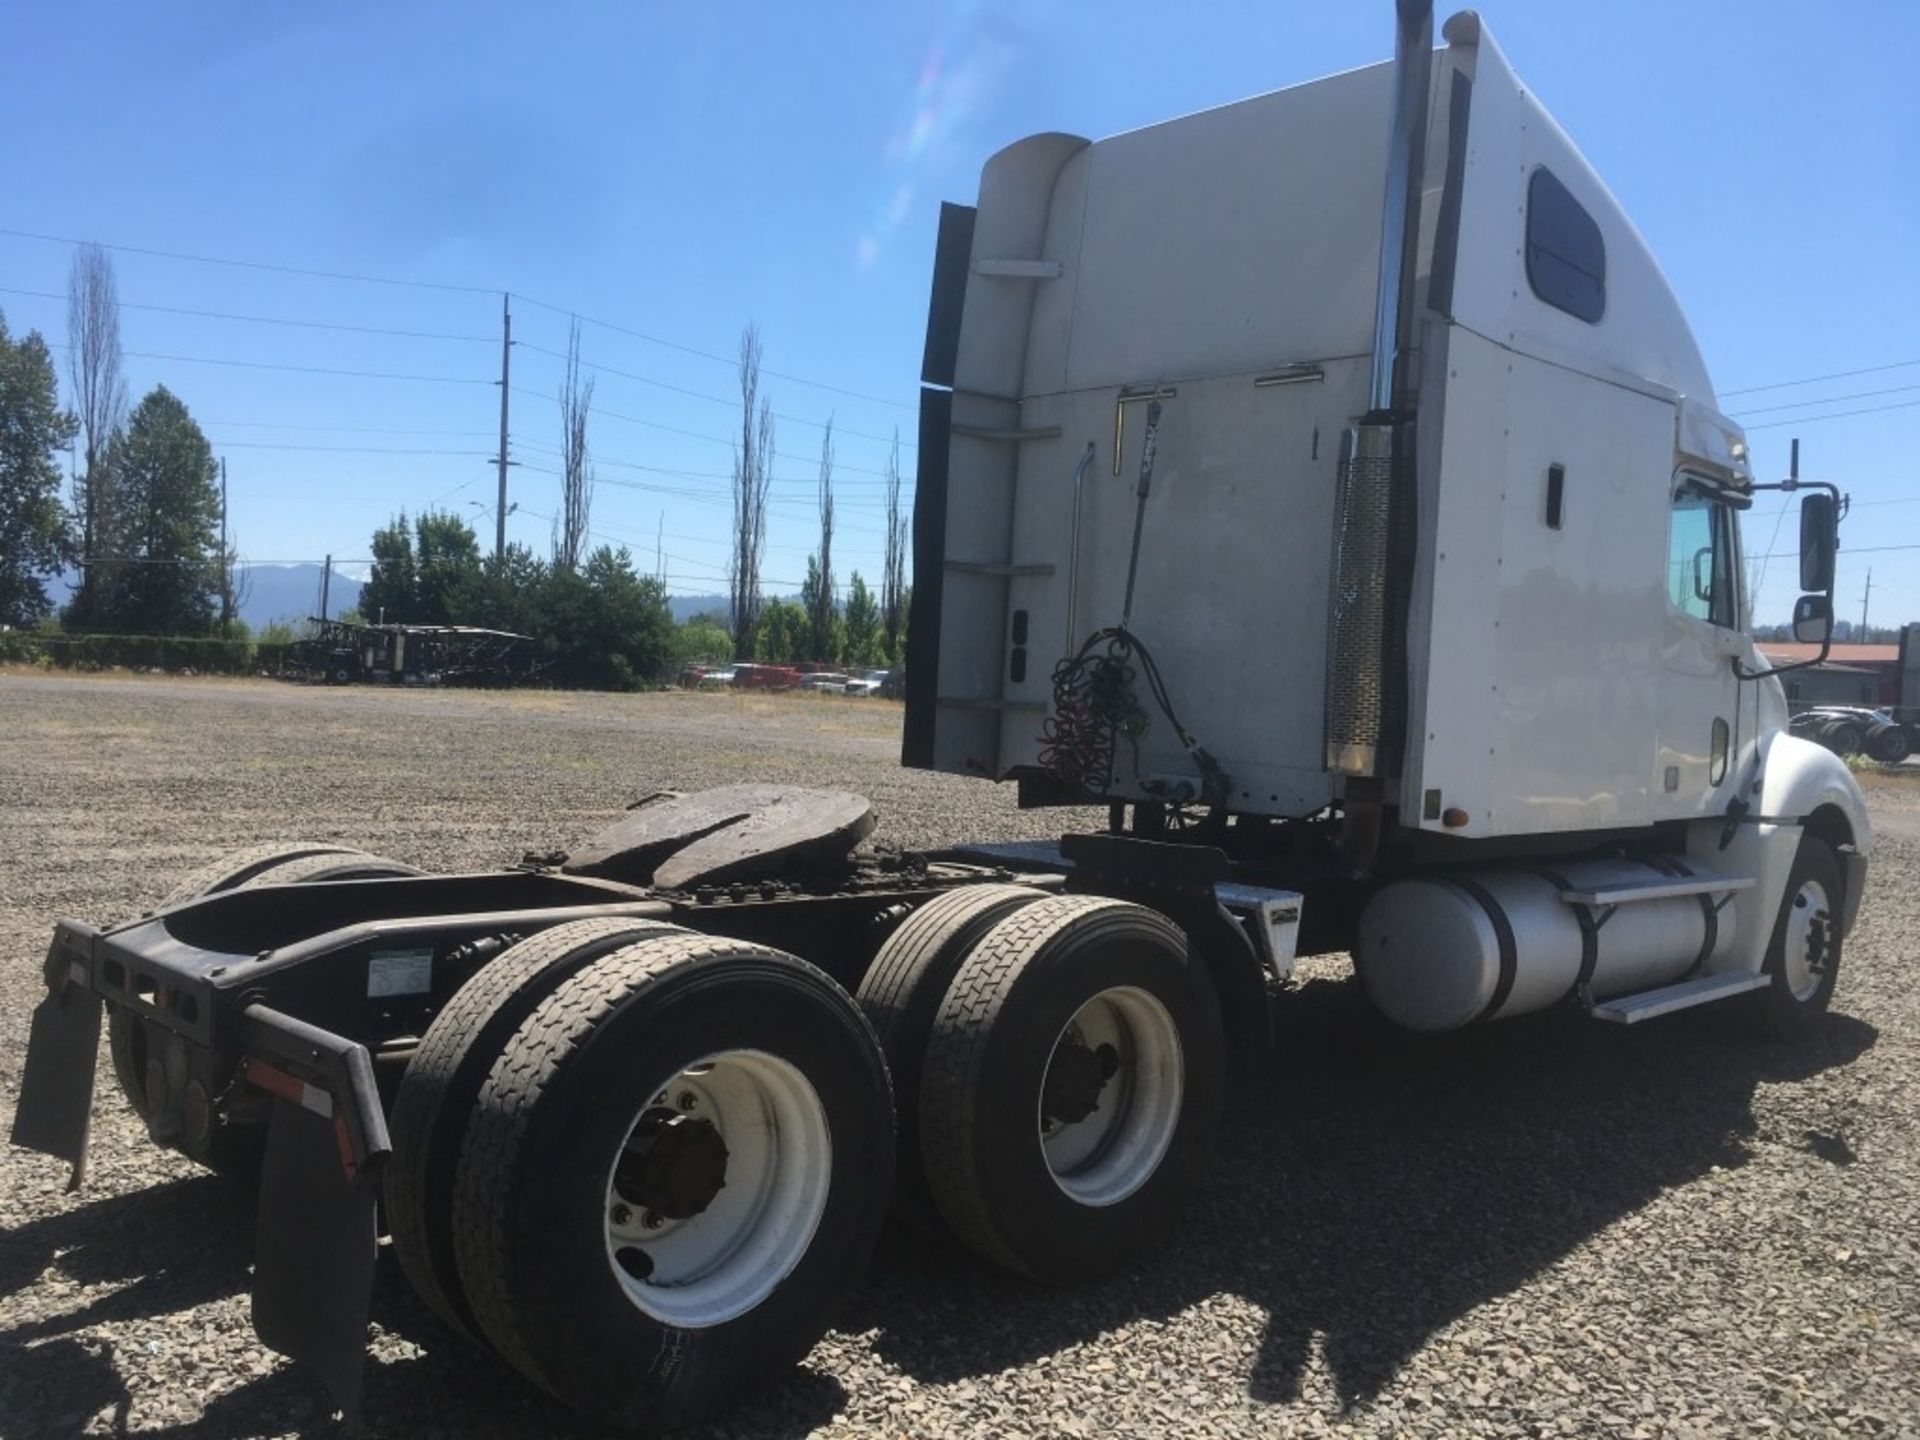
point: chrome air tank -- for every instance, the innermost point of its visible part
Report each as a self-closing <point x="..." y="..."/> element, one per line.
<point x="1449" y="949"/>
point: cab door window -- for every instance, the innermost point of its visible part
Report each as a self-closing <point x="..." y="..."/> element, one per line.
<point x="1700" y="559"/>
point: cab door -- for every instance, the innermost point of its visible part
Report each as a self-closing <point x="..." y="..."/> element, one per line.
<point x="1694" y="769"/>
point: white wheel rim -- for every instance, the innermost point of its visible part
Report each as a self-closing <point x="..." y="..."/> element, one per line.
<point x="1112" y="1152"/>
<point x="1809" y="940"/>
<point x="710" y="1267"/>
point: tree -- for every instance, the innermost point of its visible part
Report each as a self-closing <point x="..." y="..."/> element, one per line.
<point x="169" y="493"/>
<point x="781" y="638"/>
<point x="604" y="625"/>
<point x="100" y="398"/>
<point x="505" y="593"/>
<point x="820" y="603"/>
<point x="576" y="478"/>
<point x="863" y="624"/>
<point x="702" y="638"/>
<point x="822" y="635"/>
<point x="34" y="534"/>
<point x="446" y="554"/>
<point x="389" y="593"/>
<point x="752" y="479"/>
<point x="893" y="578"/>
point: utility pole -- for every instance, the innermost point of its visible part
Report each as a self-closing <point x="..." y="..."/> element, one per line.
<point x="1864" y="599"/>
<point x="659" y="556"/>
<point x="326" y="578"/>
<point x="506" y="362"/>
<point x="226" y="566"/>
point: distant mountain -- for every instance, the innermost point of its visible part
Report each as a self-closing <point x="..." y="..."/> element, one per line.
<point x="292" y="592"/>
<point x="685" y="607"/>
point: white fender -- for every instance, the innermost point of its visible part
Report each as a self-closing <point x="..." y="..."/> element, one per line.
<point x="1796" y="777"/>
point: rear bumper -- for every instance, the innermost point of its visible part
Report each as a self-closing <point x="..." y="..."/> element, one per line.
<point x="326" y="1131"/>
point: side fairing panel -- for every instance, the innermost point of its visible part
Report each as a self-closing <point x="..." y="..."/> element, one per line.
<point x="1537" y="712"/>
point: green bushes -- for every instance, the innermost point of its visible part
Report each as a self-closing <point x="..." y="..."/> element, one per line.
<point x="202" y="655"/>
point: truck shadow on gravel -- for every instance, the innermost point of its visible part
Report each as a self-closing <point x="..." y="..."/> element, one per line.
<point x="186" y="1243"/>
<point x="1372" y="1187"/>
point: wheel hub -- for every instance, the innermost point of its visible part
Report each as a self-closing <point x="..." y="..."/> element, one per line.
<point x="1075" y="1077"/>
<point x="673" y="1166"/>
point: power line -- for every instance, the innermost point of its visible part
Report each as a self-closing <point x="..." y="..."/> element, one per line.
<point x="255" y="264"/>
<point x="269" y="319"/>
<point x="1844" y="552"/>
<point x="344" y="449"/>
<point x="1816" y="379"/>
<point x="1837" y="415"/>
<point x="361" y="279"/>
<point x="716" y="399"/>
<point x="710" y="439"/>
<point x="342" y="429"/>
<point x="1828" y="400"/>
<point x="295" y="369"/>
<point x="729" y="360"/>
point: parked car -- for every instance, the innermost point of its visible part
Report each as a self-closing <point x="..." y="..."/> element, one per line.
<point x="867" y="684"/>
<point x="824" y="680"/>
<point x="765" y="677"/>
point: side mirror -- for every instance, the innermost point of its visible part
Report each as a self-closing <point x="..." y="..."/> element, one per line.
<point x="1819" y="539"/>
<point x="1812" y="617"/>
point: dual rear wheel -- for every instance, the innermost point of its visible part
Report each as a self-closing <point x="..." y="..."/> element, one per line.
<point x="1059" y="1061"/>
<point x="644" y="1164"/>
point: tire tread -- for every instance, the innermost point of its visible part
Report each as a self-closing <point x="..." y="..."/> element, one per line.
<point x="956" y="1057"/>
<point x="503" y="1115"/>
<point x="520" y="975"/>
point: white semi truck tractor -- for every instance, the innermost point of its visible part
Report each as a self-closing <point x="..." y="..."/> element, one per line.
<point x="1327" y="487"/>
<point x="1407" y="574"/>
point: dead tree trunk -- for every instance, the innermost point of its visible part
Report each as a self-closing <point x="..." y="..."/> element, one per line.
<point x="576" y="477"/>
<point x="752" y="476"/>
<point x="893" y="584"/>
<point x="100" y="399"/>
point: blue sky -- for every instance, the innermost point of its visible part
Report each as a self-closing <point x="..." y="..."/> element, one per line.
<point x="681" y="170"/>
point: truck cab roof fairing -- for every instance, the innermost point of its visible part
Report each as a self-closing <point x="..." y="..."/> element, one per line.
<point x="1643" y="335"/>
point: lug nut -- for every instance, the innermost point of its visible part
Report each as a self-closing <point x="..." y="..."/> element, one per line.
<point x="621" y="1214"/>
<point x="687" y="1100"/>
<point x="653" y="1220"/>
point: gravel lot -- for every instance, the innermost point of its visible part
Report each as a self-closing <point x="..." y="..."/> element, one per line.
<point x="1548" y="1227"/>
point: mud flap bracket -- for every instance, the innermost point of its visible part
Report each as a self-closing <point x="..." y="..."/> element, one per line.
<point x="55" y="1110"/>
<point x="316" y="1240"/>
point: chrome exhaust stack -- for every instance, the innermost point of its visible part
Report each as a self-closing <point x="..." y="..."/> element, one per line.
<point x="1365" y="681"/>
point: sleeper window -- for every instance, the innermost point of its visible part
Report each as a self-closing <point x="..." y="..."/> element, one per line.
<point x="1566" y="256"/>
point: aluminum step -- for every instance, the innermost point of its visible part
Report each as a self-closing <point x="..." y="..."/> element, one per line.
<point x="1631" y="1009"/>
<point x="1657" y="887"/>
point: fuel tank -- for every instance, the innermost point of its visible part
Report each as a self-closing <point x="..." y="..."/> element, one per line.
<point x="1452" y="949"/>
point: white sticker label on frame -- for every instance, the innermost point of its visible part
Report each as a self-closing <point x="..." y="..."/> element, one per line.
<point x="399" y="972"/>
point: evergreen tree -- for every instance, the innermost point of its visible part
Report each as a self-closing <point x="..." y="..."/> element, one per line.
<point x="864" y="637"/>
<point x="447" y="555"/>
<point x="169" y="486"/>
<point x="34" y="535"/>
<point x="502" y="594"/>
<point x="783" y="633"/>
<point x="389" y="592"/>
<point x="604" y="625"/>
<point x="825" y="637"/>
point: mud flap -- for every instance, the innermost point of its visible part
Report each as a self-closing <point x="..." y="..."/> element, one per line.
<point x="316" y="1241"/>
<point x="55" y="1109"/>
<point x="314" y="1251"/>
